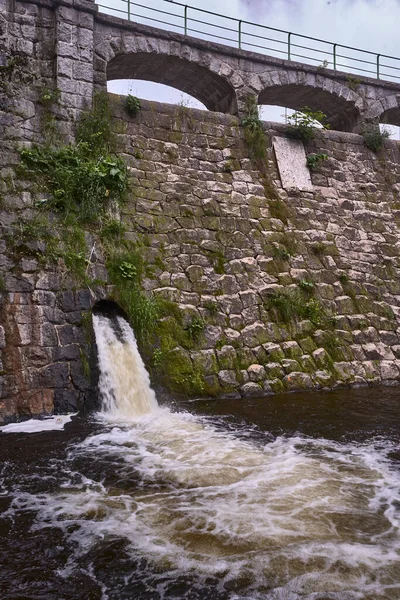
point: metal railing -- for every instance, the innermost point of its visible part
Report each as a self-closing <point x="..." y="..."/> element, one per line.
<point x="246" y="35"/>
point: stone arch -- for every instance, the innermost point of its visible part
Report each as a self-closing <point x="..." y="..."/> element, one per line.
<point x="386" y="110"/>
<point x="341" y="105"/>
<point x="204" y="77"/>
<point x="108" y="308"/>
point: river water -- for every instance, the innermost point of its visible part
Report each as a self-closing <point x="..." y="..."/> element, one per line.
<point x="290" y="497"/>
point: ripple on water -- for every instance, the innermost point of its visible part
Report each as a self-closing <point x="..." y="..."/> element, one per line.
<point x="291" y="518"/>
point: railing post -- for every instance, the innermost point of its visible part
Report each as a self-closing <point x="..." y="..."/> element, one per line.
<point x="377" y="65"/>
<point x="334" y="57"/>
<point x="185" y="19"/>
<point x="288" y="46"/>
<point x="129" y="10"/>
<point x="240" y="34"/>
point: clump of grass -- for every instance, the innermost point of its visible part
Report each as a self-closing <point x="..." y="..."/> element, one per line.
<point x="290" y="306"/>
<point x="254" y="134"/>
<point x="218" y="261"/>
<point x="374" y="137"/>
<point x="211" y="306"/>
<point x="281" y="253"/>
<point x="318" y="249"/>
<point x="195" y="328"/>
<point x="112" y="229"/>
<point x="279" y="210"/>
<point x="230" y="165"/>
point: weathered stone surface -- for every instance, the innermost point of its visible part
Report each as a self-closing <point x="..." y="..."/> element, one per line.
<point x="256" y="373"/>
<point x="227" y="378"/>
<point x="297" y="381"/>
<point x="250" y="389"/>
<point x="218" y="241"/>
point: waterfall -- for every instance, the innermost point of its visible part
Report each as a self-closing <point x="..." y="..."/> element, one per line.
<point x="124" y="384"/>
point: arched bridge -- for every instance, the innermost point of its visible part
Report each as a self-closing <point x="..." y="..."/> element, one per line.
<point x="222" y="77"/>
<point x="92" y="48"/>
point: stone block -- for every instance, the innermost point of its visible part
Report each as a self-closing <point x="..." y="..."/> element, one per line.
<point x="2" y="337"/>
<point x="256" y="373"/>
<point x="54" y="376"/>
<point x="205" y="361"/>
<point x="297" y="381"/>
<point x="227" y="357"/>
<point x="291" y="349"/>
<point x="274" y="352"/>
<point x="227" y="378"/>
<point x="389" y="370"/>
<point x="251" y="390"/>
<point x="65" y="401"/>
<point x="255" y="335"/>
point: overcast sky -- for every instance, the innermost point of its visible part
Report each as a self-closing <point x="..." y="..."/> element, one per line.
<point x="367" y="24"/>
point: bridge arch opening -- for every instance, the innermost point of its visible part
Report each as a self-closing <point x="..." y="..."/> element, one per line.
<point x="341" y="112"/>
<point x="390" y="117"/>
<point x="157" y="92"/>
<point x="199" y="82"/>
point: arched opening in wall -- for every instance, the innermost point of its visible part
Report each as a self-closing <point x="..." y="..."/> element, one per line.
<point x="275" y="114"/>
<point x="202" y="84"/>
<point x="341" y="112"/>
<point x="109" y="308"/>
<point x="390" y="123"/>
<point x="156" y="92"/>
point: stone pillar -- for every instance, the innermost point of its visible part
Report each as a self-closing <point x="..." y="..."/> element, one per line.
<point x="4" y="39"/>
<point x="74" y="55"/>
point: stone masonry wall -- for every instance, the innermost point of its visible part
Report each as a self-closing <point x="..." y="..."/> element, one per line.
<point x="225" y="241"/>
<point x="230" y="238"/>
<point x="44" y="47"/>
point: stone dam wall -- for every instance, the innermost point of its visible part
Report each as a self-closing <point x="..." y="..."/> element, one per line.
<point x="286" y="289"/>
<point x="233" y="243"/>
<point x="234" y="251"/>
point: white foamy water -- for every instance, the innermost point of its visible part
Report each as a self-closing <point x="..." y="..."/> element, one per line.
<point x="124" y="383"/>
<point x="55" y="423"/>
<point x="292" y="518"/>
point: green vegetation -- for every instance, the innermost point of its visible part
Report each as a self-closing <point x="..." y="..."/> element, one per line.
<point x="281" y="253"/>
<point x="195" y="328"/>
<point x="126" y="268"/>
<point x="303" y="124"/>
<point x="374" y="137"/>
<point x="254" y="134"/>
<point x="293" y="305"/>
<point x="314" y="160"/>
<point x="211" y="306"/>
<point x="353" y="82"/>
<point x="231" y="165"/>
<point x="2" y="284"/>
<point x="49" y="97"/>
<point x="81" y="180"/>
<point x="307" y="286"/>
<point x="318" y="249"/>
<point x="279" y="210"/>
<point x="132" y="105"/>
<point x="218" y="260"/>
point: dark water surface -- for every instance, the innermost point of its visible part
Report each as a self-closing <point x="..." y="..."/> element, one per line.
<point x="287" y="497"/>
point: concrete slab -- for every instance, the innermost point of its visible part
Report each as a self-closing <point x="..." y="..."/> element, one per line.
<point x="292" y="165"/>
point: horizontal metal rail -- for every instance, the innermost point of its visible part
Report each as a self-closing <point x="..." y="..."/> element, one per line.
<point x="246" y="35"/>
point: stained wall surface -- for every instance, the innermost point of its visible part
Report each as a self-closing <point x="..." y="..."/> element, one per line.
<point x="294" y="289"/>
